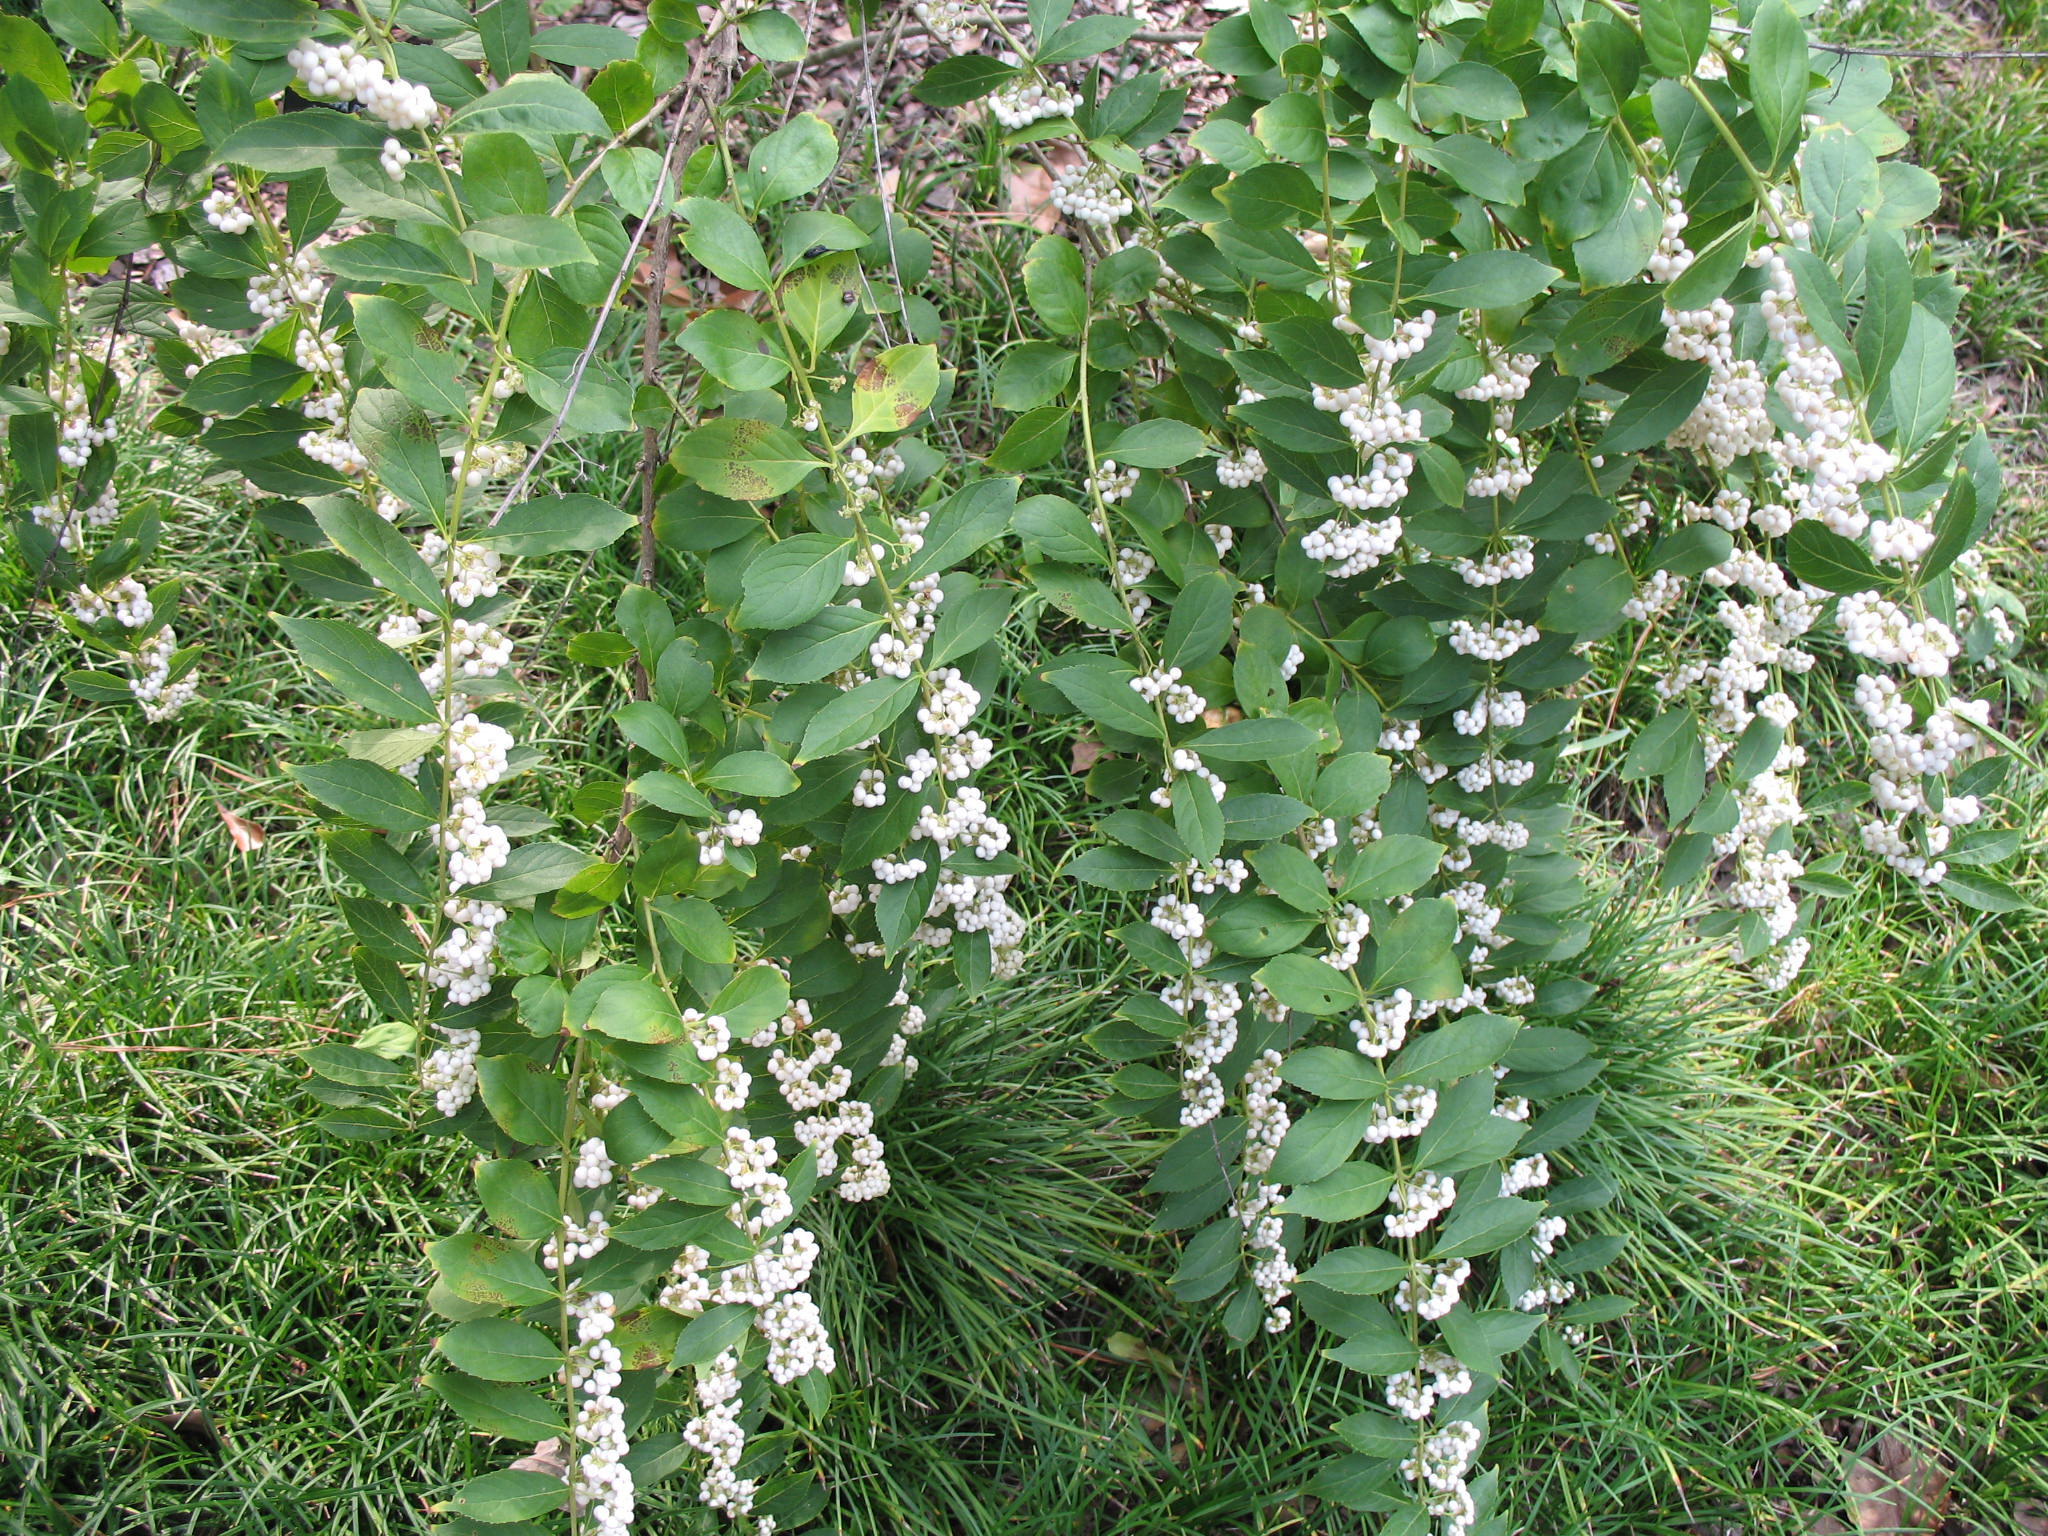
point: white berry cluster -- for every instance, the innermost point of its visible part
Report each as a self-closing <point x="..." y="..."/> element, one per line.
<point x="125" y="601"/>
<point x="600" y="1484"/>
<point x="1371" y="412"/>
<point x="329" y="73"/>
<point x="292" y="285"/>
<point x="1267" y="1122"/>
<point x="1110" y="485"/>
<point x="1028" y="99"/>
<point x="1162" y="686"/>
<point x="1384" y="483"/>
<point x="226" y="212"/>
<point x="950" y="21"/>
<point x="740" y="829"/>
<point x="1089" y="193"/>
<point x="1238" y="470"/>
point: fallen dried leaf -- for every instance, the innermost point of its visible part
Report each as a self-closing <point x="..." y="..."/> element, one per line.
<point x="247" y="835"/>
<point x="549" y="1457"/>
<point x="1087" y="752"/>
<point x="1031" y="197"/>
<point x="1903" y="1490"/>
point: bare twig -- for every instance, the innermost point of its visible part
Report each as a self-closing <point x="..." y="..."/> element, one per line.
<point x="692" y="110"/>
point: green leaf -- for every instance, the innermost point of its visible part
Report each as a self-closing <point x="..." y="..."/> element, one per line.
<point x="1454" y="1050"/>
<point x="790" y="583"/>
<point x="1973" y="888"/>
<point x="762" y="774"/>
<point x="1291" y="126"/>
<point x="381" y="550"/>
<point x="724" y="242"/>
<point x="1160" y="443"/>
<point x="734" y="350"/>
<point x="653" y="729"/>
<point x="1957" y="526"/>
<point x="1358" y="1271"/>
<point x="362" y="668"/>
<point x="1116" y="869"/>
<point x="505" y="28"/>
<point x="1823" y="558"/>
<point x="710" y="1335"/>
<point x="1331" y="1073"/>
<point x="1055" y="281"/>
<point x="367" y="793"/>
<point x="1354" y="1190"/>
<point x="500" y="1498"/>
<point x="793" y="160"/>
<point x="1293" y="876"/>
<point x="1101" y="689"/>
<point x="1209" y="1262"/>
<point x="671" y="793"/>
<point x="893" y="388"/>
<point x="293" y="143"/>
<point x="548" y="525"/>
<point x="1656" y="408"/>
<point x="1476" y="166"/>
<point x="532" y="870"/>
<point x="742" y="459"/>
<point x="520" y="1198"/>
<point x="228" y="386"/>
<point x="85" y="25"/>
<point x="498" y="1408"/>
<point x="1391" y="866"/>
<point x="403" y="447"/>
<point x="1307" y="984"/>
<point x="699" y="928"/>
<point x="1838" y="184"/>
<point x="1085" y="38"/>
<point x="270" y="22"/>
<point x="498" y="1349"/>
<point x="1488" y="280"/>
<point x="1321" y="1140"/>
<point x="1031" y="374"/>
<point x="1468" y="89"/>
<point x="1712" y="270"/>
<point x="1922" y="383"/>
<point x="1675" y="34"/>
<point x="1588" y="599"/>
<point x="773" y="35"/>
<point x="1610" y="60"/>
<point x="535" y="105"/>
<point x="493" y="1271"/>
<point x="854" y="716"/>
<point x="1035" y="438"/>
<point x="526" y="240"/>
<point x="1259" y="739"/>
<point x="1778" y="77"/>
<point x="955" y="82"/>
<point x="1485" y="1226"/>
<point x="582" y="45"/>
<point x="633" y="1008"/>
<point x="524" y="1098"/>
<point x="816" y="649"/>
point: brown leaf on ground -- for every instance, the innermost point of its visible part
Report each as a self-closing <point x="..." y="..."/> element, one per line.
<point x="1031" y="197"/>
<point x="1087" y="752"/>
<point x="247" y="835"/>
<point x="1897" y="1487"/>
<point x="2031" y="1518"/>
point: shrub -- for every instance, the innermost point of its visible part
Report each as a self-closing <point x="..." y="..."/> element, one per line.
<point x="1471" y="342"/>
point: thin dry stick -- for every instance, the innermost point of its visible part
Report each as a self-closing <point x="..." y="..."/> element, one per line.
<point x="693" y="108"/>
